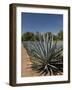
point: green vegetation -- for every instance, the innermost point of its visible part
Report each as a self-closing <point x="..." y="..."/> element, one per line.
<point x="46" y="56"/>
<point x="60" y="35"/>
<point x="30" y="36"/>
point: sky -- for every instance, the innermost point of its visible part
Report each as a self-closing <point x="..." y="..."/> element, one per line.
<point x="36" y="22"/>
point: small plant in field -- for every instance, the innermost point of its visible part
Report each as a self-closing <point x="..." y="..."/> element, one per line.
<point x="46" y="56"/>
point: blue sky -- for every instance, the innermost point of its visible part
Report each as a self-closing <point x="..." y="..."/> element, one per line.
<point x="36" y="22"/>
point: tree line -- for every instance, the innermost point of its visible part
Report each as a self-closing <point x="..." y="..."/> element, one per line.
<point x="30" y="36"/>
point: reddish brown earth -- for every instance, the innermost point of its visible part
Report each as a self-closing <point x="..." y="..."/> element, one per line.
<point x="26" y="71"/>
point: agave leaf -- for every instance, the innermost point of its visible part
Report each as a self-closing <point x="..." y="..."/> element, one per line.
<point x="46" y="56"/>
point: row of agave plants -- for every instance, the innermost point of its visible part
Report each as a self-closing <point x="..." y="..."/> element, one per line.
<point x="46" y="56"/>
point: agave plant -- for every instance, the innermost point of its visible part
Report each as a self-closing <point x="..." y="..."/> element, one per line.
<point x="46" y="56"/>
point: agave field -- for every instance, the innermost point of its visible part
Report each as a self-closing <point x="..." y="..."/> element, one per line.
<point x="46" y="55"/>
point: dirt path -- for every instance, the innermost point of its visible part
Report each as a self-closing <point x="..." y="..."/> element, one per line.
<point x="25" y="70"/>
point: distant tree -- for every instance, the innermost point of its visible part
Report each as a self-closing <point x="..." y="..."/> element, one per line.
<point x="55" y="37"/>
<point x="28" y="36"/>
<point x="37" y="36"/>
<point x="60" y="35"/>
